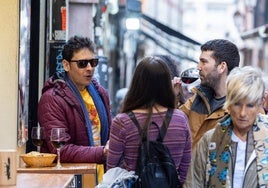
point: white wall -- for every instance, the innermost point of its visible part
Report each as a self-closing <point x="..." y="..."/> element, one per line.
<point x="9" y="37"/>
<point x="204" y="20"/>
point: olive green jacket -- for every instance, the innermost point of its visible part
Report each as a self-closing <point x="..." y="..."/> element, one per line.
<point x="198" y="110"/>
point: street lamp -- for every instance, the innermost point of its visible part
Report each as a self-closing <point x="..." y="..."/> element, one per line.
<point x="244" y="18"/>
<point x="238" y="20"/>
<point x="250" y="4"/>
<point x="133" y="8"/>
<point x="132" y="23"/>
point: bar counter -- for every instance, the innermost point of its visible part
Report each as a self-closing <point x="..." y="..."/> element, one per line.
<point x="87" y="170"/>
<point x="36" y="180"/>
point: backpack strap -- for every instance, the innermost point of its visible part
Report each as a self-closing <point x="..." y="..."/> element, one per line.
<point x="133" y="118"/>
<point x="165" y="125"/>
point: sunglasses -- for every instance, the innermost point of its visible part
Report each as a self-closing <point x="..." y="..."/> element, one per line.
<point x="84" y="62"/>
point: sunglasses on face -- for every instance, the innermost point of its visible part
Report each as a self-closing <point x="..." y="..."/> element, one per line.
<point x="84" y="62"/>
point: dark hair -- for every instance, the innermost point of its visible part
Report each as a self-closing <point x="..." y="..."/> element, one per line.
<point x="151" y="84"/>
<point x="171" y="63"/>
<point x="223" y="50"/>
<point x="74" y="44"/>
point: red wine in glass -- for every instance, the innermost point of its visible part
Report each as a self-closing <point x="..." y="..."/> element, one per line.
<point x="57" y="144"/>
<point x="188" y="80"/>
<point x="38" y="136"/>
<point x="58" y="141"/>
<point x="38" y="142"/>
<point x="190" y="75"/>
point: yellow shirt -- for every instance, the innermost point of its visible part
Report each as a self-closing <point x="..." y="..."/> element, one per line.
<point x="95" y="126"/>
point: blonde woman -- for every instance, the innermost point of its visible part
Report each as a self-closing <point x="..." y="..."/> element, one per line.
<point x="234" y="154"/>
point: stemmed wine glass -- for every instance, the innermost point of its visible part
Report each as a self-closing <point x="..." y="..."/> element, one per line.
<point x="190" y="75"/>
<point x="38" y="136"/>
<point x="58" y="140"/>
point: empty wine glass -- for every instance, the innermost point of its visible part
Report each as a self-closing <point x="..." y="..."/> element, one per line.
<point x="190" y="75"/>
<point x="38" y="136"/>
<point x="58" y="140"/>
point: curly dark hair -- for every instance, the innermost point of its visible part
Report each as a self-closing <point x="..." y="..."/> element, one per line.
<point x="223" y="50"/>
<point x="76" y="43"/>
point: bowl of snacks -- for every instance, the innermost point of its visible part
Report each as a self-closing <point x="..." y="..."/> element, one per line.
<point x="36" y="159"/>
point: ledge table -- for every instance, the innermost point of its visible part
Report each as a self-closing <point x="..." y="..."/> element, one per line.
<point x="34" y="180"/>
<point x="87" y="170"/>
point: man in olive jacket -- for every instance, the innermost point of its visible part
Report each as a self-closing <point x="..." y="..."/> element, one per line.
<point x="218" y="57"/>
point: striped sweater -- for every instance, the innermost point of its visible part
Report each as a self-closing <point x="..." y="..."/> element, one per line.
<point x="125" y="140"/>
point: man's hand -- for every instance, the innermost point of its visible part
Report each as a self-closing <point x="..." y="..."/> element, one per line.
<point x="176" y="82"/>
<point x="106" y="149"/>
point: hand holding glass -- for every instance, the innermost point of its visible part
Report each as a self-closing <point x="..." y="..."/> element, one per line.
<point x="38" y="136"/>
<point x="58" y="140"/>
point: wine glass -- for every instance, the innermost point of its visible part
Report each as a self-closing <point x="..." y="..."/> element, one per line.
<point x="58" y="140"/>
<point x="190" y="75"/>
<point x="38" y="136"/>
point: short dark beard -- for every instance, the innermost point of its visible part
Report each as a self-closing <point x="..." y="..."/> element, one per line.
<point x="211" y="81"/>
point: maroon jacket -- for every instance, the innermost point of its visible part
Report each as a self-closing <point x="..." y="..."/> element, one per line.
<point x="58" y="107"/>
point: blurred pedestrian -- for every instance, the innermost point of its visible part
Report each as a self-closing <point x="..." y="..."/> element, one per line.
<point x="149" y="97"/>
<point x="218" y="57"/>
<point x="119" y="98"/>
<point x="171" y="63"/>
<point x="234" y="154"/>
<point x="75" y="101"/>
<point x="174" y="68"/>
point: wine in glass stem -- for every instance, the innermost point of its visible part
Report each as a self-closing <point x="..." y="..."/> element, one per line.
<point x="58" y="141"/>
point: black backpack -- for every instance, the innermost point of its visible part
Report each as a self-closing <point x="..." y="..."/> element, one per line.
<point x="155" y="165"/>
